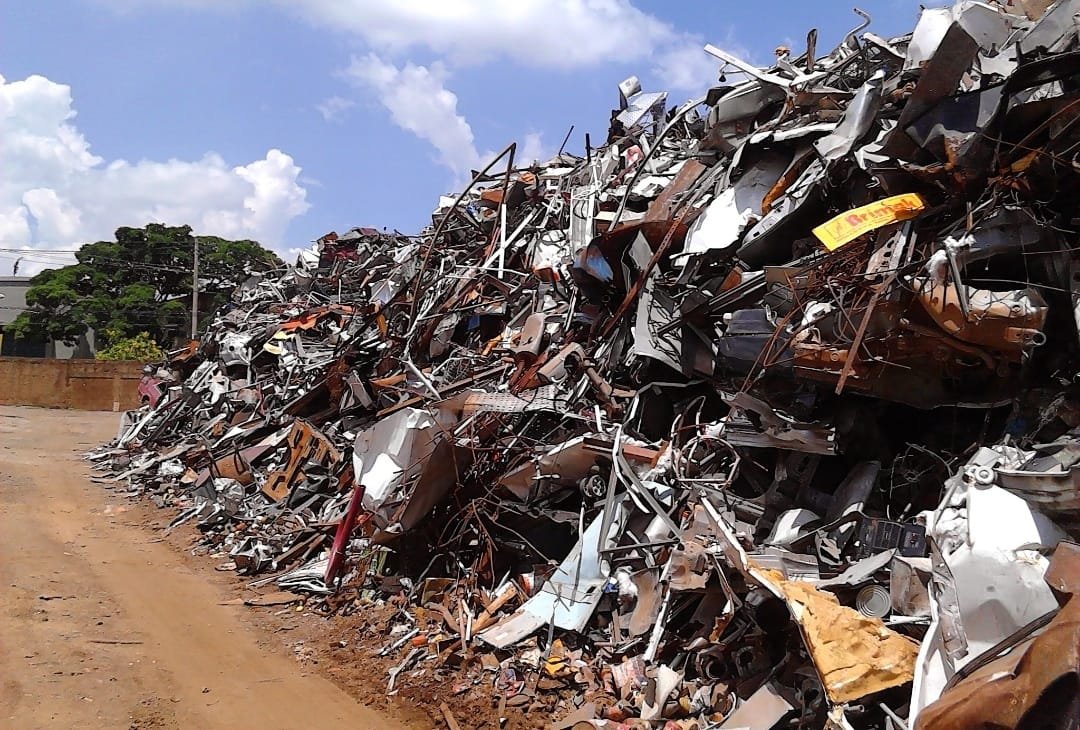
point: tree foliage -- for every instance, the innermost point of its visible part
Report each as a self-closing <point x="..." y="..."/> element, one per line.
<point x="139" y="282"/>
<point x="140" y="347"/>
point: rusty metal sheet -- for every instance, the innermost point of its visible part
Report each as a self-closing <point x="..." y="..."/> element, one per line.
<point x="235" y="465"/>
<point x="305" y="443"/>
<point x="661" y="209"/>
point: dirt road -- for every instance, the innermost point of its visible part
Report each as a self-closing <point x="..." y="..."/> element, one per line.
<point x="103" y="625"/>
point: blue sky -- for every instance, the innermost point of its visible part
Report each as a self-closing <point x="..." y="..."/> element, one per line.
<point x="282" y="119"/>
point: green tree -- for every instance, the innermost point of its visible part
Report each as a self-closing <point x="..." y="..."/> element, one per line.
<point x="140" y="347"/>
<point x="139" y="282"/>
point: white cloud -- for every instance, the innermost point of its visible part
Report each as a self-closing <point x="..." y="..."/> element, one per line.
<point x="57" y="219"/>
<point x="14" y="227"/>
<point x="56" y="194"/>
<point x="334" y="108"/>
<point x="560" y="34"/>
<point x="547" y="34"/>
<point x="532" y="149"/>
<point x="686" y="67"/>
<point x="541" y="33"/>
<point x="419" y="102"/>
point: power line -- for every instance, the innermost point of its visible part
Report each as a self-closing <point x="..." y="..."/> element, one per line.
<point x="33" y="258"/>
<point x="67" y="251"/>
<point x="181" y="247"/>
<point x="38" y="258"/>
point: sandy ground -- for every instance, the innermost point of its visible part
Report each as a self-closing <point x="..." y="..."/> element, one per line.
<point x="103" y="624"/>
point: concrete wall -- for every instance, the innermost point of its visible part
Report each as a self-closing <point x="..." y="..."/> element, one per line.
<point x="86" y="385"/>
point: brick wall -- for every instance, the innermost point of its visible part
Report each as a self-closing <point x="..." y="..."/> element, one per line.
<point x="86" y="385"/>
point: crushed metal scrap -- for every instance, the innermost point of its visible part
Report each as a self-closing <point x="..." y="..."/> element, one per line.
<point x="764" y="413"/>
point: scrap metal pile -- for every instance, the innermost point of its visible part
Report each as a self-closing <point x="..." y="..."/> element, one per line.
<point x="763" y="413"/>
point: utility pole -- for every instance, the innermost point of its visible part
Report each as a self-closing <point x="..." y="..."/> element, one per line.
<point x="195" y="292"/>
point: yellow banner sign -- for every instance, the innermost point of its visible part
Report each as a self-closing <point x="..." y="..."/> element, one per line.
<point x="848" y="226"/>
